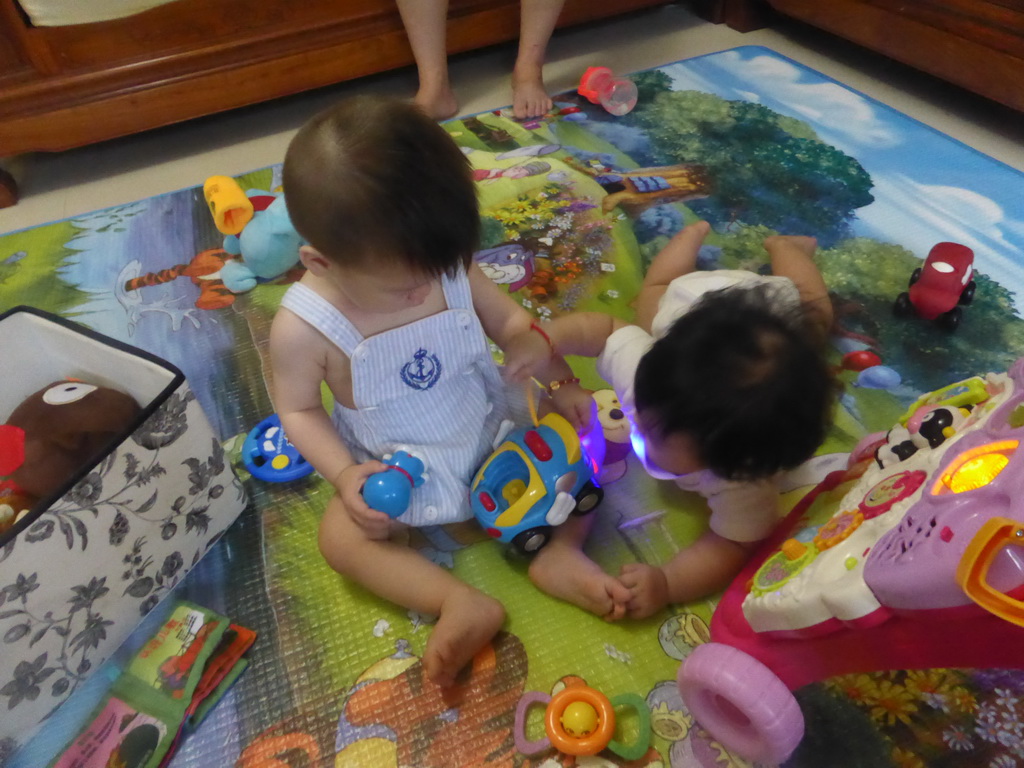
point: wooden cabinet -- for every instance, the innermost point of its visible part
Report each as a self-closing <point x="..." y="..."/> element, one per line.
<point x="63" y="87"/>
<point x="977" y="44"/>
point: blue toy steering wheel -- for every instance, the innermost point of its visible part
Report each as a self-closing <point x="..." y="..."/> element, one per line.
<point x="269" y="456"/>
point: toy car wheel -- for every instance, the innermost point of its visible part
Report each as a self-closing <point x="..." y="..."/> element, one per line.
<point x="950" y="321"/>
<point x="588" y="498"/>
<point x="968" y="295"/>
<point x="532" y="539"/>
<point x="741" y="703"/>
<point x="914" y="276"/>
<point x="903" y="307"/>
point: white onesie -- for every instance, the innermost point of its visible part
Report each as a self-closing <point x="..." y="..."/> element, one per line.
<point x="740" y="511"/>
<point x="430" y="387"/>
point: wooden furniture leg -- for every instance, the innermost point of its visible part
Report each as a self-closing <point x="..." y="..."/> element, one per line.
<point x="741" y="15"/>
<point x="8" y="189"/>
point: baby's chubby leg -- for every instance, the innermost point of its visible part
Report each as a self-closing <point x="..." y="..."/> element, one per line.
<point x="467" y="618"/>
<point x="677" y="258"/>
<point x="792" y="256"/>
<point x="802" y="244"/>
<point x="563" y="570"/>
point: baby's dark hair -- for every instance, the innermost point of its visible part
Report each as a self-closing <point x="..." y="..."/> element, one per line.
<point x="374" y="178"/>
<point x="746" y="380"/>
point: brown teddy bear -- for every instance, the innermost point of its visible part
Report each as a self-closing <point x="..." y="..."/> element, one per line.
<point x="52" y="435"/>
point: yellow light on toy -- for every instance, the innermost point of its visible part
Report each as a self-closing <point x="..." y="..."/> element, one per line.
<point x="579" y="719"/>
<point x="975" y="468"/>
<point x="978" y="472"/>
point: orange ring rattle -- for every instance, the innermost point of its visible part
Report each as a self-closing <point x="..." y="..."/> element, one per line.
<point x="590" y="743"/>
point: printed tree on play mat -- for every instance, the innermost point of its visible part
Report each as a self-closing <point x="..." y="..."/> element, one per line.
<point x="756" y="166"/>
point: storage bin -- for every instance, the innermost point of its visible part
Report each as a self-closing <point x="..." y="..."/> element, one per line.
<point x="80" y="571"/>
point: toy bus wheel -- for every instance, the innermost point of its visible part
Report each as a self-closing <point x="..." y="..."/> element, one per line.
<point x="903" y="307"/>
<point x="914" y="277"/>
<point x="741" y="703"/>
<point x="588" y="498"/>
<point x="950" y="321"/>
<point x="532" y="539"/>
<point x="968" y="295"/>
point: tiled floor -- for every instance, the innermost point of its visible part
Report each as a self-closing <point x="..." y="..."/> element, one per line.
<point x="61" y="185"/>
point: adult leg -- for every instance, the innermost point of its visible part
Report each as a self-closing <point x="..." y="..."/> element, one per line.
<point x="467" y="618"/>
<point x="425" y="25"/>
<point x="537" y="22"/>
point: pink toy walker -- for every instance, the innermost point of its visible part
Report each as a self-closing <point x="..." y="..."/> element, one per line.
<point x="920" y="566"/>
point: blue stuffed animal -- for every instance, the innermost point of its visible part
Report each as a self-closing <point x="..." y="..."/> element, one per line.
<point x="268" y="247"/>
<point x="259" y="234"/>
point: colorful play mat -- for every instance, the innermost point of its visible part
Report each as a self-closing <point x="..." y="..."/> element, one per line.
<point x="574" y="207"/>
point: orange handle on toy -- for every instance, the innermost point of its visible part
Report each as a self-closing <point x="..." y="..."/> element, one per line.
<point x="972" y="571"/>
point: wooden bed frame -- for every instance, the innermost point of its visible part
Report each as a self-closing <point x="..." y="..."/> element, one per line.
<point x="64" y="87"/>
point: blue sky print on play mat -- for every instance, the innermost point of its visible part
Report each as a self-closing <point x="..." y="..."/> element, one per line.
<point x="928" y="187"/>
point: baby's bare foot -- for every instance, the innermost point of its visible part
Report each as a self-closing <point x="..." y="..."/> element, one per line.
<point x="468" y="620"/>
<point x="529" y="96"/>
<point x="648" y="589"/>
<point x="438" y="103"/>
<point x="567" y="573"/>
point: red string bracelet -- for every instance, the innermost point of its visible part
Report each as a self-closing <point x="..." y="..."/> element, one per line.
<point x="542" y="332"/>
<point x="554" y="386"/>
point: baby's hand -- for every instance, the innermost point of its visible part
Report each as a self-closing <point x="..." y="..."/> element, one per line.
<point x="648" y="589"/>
<point x="577" y="405"/>
<point x="525" y="354"/>
<point x="349" y="484"/>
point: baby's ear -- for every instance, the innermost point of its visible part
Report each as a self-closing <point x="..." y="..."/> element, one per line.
<point x="313" y="260"/>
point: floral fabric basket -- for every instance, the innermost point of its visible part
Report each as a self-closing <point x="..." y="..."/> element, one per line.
<point x="79" y="572"/>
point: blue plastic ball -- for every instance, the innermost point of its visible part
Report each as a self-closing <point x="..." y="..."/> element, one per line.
<point x="878" y="377"/>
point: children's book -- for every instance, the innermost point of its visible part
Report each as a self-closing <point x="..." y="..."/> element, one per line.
<point x="165" y="690"/>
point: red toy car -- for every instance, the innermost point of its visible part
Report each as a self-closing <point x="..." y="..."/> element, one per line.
<point x="940" y="286"/>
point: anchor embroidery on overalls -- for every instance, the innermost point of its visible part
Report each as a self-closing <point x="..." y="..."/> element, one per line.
<point x="423" y="371"/>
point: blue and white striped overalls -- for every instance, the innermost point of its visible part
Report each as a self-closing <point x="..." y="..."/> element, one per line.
<point x="430" y="387"/>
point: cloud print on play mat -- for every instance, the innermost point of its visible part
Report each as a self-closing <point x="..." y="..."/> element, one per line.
<point x="840" y="115"/>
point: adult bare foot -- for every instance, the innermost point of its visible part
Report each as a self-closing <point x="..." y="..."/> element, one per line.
<point x="439" y="103"/>
<point x="567" y="573"/>
<point x="529" y="96"/>
<point x="468" y="620"/>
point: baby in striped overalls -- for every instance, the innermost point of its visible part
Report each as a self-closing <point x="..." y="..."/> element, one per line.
<point x="394" y="316"/>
